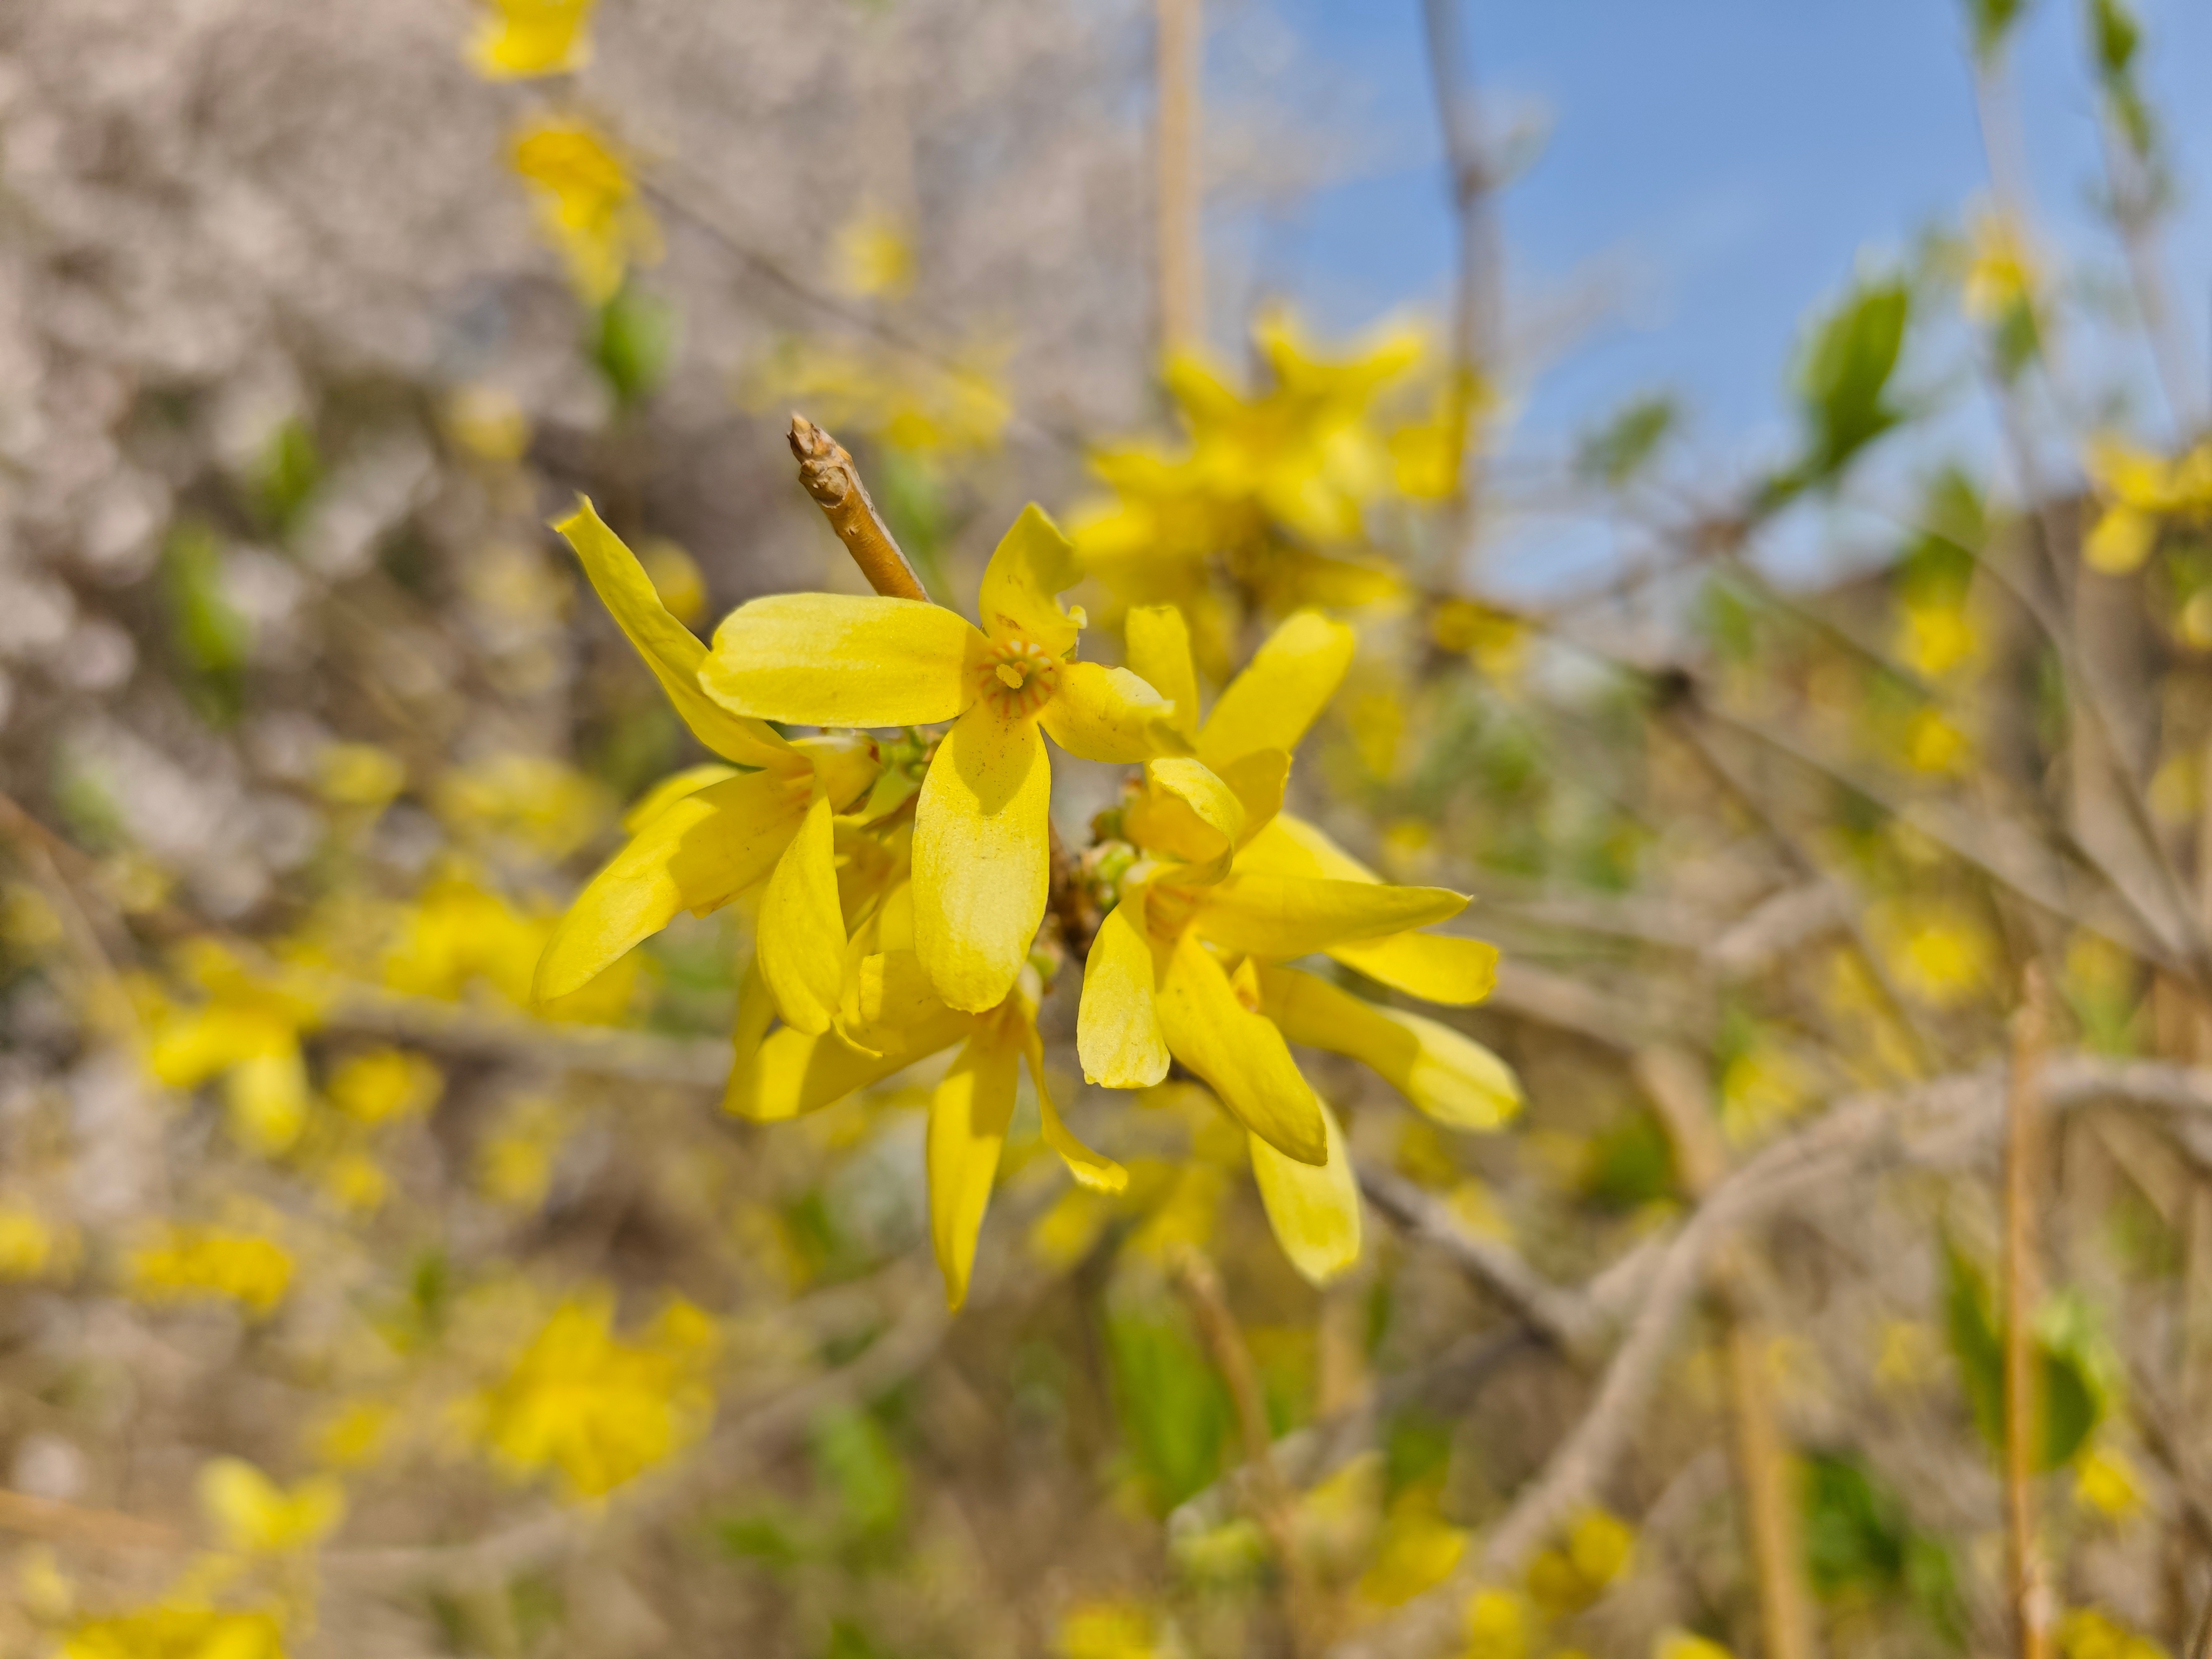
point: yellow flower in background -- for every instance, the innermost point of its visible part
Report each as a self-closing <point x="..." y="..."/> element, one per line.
<point x="1566" y="1577"/>
<point x="1419" y="1550"/>
<point x="1761" y="1087"/>
<point x="1495" y="641"/>
<point x="874" y="257"/>
<point x="921" y="406"/>
<point x="2140" y="490"/>
<point x="2092" y="1633"/>
<point x="359" y="774"/>
<point x="245" y="1029"/>
<point x="178" y="1632"/>
<point x="596" y="1409"/>
<point x="587" y="202"/>
<point x="354" y="1435"/>
<point x="1935" y="637"/>
<point x="2106" y="1483"/>
<point x="28" y="1244"/>
<point x="2001" y="274"/>
<point x="521" y="39"/>
<point x="379" y="1085"/>
<point x="460" y="940"/>
<point x="722" y="831"/>
<point x="981" y="825"/>
<point x="253" y="1514"/>
<point x="514" y="1164"/>
<point x="1106" y="1629"/>
<point x="675" y="577"/>
<point x="1497" y="1625"/>
<point x="1938" y="949"/>
<point x="487" y="421"/>
<point x="191" y="1263"/>
<point x="543" y="804"/>
<point x="1685" y="1644"/>
<point x="1934" y="745"/>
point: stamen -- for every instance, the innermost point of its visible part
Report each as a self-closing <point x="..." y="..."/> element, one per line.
<point x="1010" y="677"/>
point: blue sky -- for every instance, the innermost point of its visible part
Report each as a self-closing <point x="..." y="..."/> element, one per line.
<point x="1712" y="170"/>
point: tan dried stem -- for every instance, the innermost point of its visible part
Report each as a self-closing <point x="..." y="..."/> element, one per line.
<point x="831" y="477"/>
<point x="2031" y="1041"/>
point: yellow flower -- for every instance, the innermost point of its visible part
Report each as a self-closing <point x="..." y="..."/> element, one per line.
<point x="27" y="1243"/>
<point x="923" y="406"/>
<point x="2000" y="272"/>
<point x="1682" y="1644"/>
<point x="1106" y="1629"/>
<point x="728" y="831"/>
<point x="1935" y="637"/>
<point x="178" y="1632"/>
<point x="874" y="257"/>
<point x="518" y="39"/>
<point x="587" y="204"/>
<point x="1497" y="1624"/>
<point x="379" y="1085"/>
<point x="1569" y="1575"/>
<point x="246" y="1030"/>
<point x="2091" y="1633"/>
<point x="359" y="774"/>
<point x="189" y="1263"/>
<point x="253" y="1514"/>
<point x="1938" y="949"/>
<point x="2107" y="1482"/>
<point x="981" y="824"/>
<point x="597" y="1409"/>
<point x="353" y="1435"/>
<point x="2139" y="489"/>
<point x="549" y="808"/>
<point x="1934" y="744"/>
<point x="487" y="421"/>
<point x="1418" y="1550"/>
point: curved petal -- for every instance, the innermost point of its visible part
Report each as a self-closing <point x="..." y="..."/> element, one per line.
<point x="1242" y="1057"/>
<point x="843" y="659"/>
<point x="802" y="930"/>
<point x="846" y="763"/>
<point x="1452" y="1077"/>
<point x="1159" y="655"/>
<point x="791" y="1073"/>
<point x="968" y="1118"/>
<point x="1285" y="916"/>
<point x="1188" y="814"/>
<point x="980" y="853"/>
<point x="1280" y="693"/>
<point x="1094" y="1171"/>
<point x="1108" y="714"/>
<point x="670" y="790"/>
<point x="1258" y="781"/>
<point x="1117" y="1025"/>
<point x="887" y="996"/>
<point x="1032" y="564"/>
<point x="1436" y="967"/>
<point x="698" y="854"/>
<point x="1313" y="1210"/>
<point x="671" y="650"/>
<point x="1289" y="846"/>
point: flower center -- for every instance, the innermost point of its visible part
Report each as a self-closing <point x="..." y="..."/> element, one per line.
<point x="1022" y="675"/>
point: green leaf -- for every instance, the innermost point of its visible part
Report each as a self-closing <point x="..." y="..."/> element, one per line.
<point x="1991" y="22"/>
<point x="632" y="343"/>
<point x="1842" y="385"/>
<point x="2116" y="37"/>
<point x="856" y="1459"/>
<point x="211" y="638"/>
<point x="2067" y="1403"/>
<point x="1614" y="453"/>
<point x="1630" y="1165"/>
<point x="1175" y="1414"/>
<point x="287" y="475"/>
<point x="1856" y="1532"/>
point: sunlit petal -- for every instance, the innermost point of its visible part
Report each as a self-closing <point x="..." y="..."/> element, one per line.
<point x="1117" y="1028"/>
<point x="1279" y="694"/>
<point x="791" y="1073"/>
<point x="1435" y="967"/>
<point x="1243" y="1056"/>
<point x="698" y="854"/>
<point x="1286" y="916"/>
<point x="980" y="855"/>
<point x="1032" y="564"/>
<point x="1108" y="714"/>
<point x="671" y="789"/>
<point x="968" y="1118"/>
<point x="1452" y="1077"/>
<point x="802" y="931"/>
<point x="843" y="659"/>
<point x="671" y="650"/>
<point x="1092" y="1169"/>
<point x="1313" y="1210"/>
<point x="1159" y="655"/>
<point x="1188" y="814"/>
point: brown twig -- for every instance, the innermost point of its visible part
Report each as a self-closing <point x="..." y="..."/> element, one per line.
<point x="831" y="477"/>
<point x="2031" y="1594"/>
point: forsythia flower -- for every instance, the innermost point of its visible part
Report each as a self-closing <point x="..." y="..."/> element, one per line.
<point x="254" y="1514"/>
<point x="905" y="402"/>
<point x="712" y="833"/>
<point x="27" y="1243"/>
<point x="1185" y="967"/>
<point x="1106" y="1629"/>
<point x="518" y="39"/>
<point x="246" y="1031"/>
<point x="599" y="1409"/>
<point x="587" y="204"/>
<point x="874" y="255"/>
<point x="2000" y="272"/>
<point x="2139" y="489"/>
<point x="1574" y="1572"/>
<point x="380" y="1084"/>
<point x="206" y="1262"/>
<point x="1497" y="1624"/>
<point x="2091" y="1633"/>
<point x="982" y="827"/>
<point x="178" y="1632"/>
<point x="460" y="940"/>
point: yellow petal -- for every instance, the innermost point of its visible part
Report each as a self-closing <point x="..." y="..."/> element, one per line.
<point x="802" y="930"/>
<point x="1289" y="846"/>
<point x="700" y="853"/>
<point x="843" y="659"/>
<point x="1285" y="916"/>
<point x="1032" y="564"/>
<point x="1117" y="1027"/>
<point x="267" y="1098"/>
<point x="1315" y="1211"/>
<point x="671" y="789"/>
<point x="846" y="763"/>
<point x="2121" y="541"/>
<point x="1288" y="683"/>
<point x="887" y="996"/>
<point x="791" y="1073"/>
<point x="1159" y="655"/>
<point x="1258" y="781"/>
<point x="1108" y="714"/>
<point x="1242" y="1057"/>
<point x="671" y="650"/>
<point x="1435" y="967"/>
<point x="980" y="876"/>
<point x="1094" y="1171"/>
<point x="968" y="1118"/>
<point x="1452" y="1077"/>
<point x="1188" y="814"/>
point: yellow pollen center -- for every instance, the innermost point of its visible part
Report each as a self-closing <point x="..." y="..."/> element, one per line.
<point x="1023" y="675"/>
<point x="1010" y="677"/>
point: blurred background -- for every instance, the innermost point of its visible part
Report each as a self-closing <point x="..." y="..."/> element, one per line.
<point x="1764" y="452"/>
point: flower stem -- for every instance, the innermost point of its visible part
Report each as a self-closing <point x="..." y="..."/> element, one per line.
<point x="831" y="477"/>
